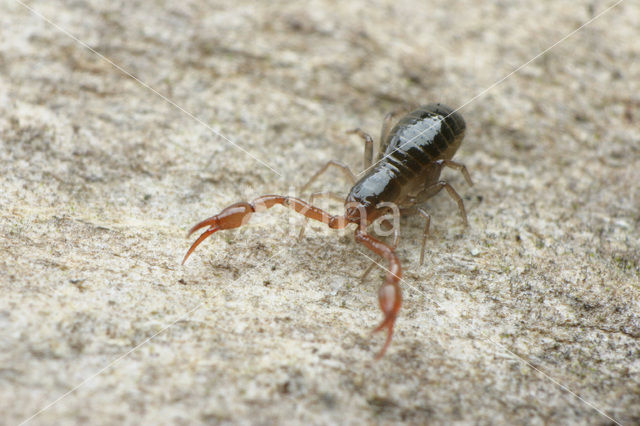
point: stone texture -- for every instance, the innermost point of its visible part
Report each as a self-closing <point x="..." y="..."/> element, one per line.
<point x="530" y="315"/>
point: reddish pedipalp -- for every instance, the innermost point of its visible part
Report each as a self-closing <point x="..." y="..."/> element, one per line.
<point x="390" y="295"/>
<point x="212" y="221"/>
<point x="197" y="242"/>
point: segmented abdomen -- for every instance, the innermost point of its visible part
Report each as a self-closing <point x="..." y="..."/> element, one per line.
<point x="430" y="133"/>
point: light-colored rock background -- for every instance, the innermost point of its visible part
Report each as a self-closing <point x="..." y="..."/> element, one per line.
<point x="101" y="179"/>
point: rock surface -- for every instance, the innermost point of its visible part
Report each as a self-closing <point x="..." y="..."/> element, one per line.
<point x="529" y="315"/>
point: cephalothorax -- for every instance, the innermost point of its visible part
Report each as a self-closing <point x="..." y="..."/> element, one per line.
<point x="405" y="174"/>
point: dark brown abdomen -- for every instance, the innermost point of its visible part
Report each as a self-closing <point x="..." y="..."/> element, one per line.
<point x="430" y="133"/>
